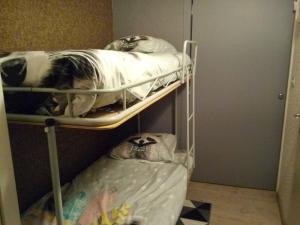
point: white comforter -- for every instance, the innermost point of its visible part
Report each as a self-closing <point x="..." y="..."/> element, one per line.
<point x="154" y="193"/>
<point x="120" y="68"/>
<point x="108" y="70"/>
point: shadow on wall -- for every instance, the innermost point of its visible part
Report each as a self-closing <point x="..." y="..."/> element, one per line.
<point x="159" y="117"/>
<point x="77" y="149"/>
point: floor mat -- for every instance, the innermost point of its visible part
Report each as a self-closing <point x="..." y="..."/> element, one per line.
<point x="194" y="213"/>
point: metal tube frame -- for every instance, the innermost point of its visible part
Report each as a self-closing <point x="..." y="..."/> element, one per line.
<point x="54" y="168"/>
<point x="176" y="113"/>
<point x="93" y="91"/>
<point x="190" y="99"/>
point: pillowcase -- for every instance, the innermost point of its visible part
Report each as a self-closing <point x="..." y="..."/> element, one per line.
<point x="152" y="147"/>
<point x="142" y="43"/>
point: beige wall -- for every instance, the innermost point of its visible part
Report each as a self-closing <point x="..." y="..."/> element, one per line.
<point x="291" y="138"/>
<point x="8" y="197"/>
<point x="54" y="24"/>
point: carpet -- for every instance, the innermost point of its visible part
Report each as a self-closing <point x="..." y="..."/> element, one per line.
<point x="194" y="213"/>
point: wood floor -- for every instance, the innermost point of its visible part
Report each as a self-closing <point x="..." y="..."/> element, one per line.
<point x="237" y="206"/>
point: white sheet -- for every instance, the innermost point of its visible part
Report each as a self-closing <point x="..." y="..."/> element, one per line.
<point x="155" y="191"/>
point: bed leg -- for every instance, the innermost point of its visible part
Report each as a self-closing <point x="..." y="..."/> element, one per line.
<point x="54" y="166"/>
<point x="176" y="114"/>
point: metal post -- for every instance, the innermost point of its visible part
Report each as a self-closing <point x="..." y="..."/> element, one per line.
<point x="188" y="123"/>
<point x="190" y="102"/>
<point x="194" y="106"/>
<point x="52" y="147"/>
<point x="176" y="114"/>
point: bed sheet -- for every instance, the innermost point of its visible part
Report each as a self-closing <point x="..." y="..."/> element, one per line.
<point x="136" y="190"/>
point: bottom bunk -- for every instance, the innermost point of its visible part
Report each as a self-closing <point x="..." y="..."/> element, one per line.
<point x="116" y="191"/>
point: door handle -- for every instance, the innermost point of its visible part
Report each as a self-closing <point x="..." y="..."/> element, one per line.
<point x="281" y="96"/>
<point x="297" y="115"/>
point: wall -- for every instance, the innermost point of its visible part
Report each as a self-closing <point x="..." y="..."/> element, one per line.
<point x="287" y="179"/>
<point x="8" y="198"/>
<point x="52" y="25"/>
<point x="295" y="204"/>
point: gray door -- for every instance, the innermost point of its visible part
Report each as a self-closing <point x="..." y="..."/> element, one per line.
<point x="244" y="51"/>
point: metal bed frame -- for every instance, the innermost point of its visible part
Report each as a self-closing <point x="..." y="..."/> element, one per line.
<point x="111" y="122"/>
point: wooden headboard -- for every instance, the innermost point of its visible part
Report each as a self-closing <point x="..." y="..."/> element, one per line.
<point x="55" y="24"/>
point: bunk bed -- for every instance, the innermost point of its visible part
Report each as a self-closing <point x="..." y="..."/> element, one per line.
<point x="116" y="116"/>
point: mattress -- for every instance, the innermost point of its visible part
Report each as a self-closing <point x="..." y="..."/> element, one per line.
<point x="149" y="193"/>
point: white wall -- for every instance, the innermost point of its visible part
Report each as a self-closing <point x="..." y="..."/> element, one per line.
<point x="8" y="195"/>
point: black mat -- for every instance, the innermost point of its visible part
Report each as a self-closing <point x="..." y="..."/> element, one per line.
<point x="194" y="213"/>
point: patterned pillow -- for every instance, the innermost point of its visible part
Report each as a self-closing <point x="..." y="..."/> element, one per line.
<point x="146" y="146"/>
<point x="142" y="43"/>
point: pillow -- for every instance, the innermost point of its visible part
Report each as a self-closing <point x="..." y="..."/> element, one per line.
<point x="142" y="43"/>
<point x="152" y="147"/>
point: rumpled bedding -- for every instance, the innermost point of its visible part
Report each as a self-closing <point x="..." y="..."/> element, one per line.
<point x="112" y="192"/>
<point x="88" y="69"/>
<point x="121" y="68"/>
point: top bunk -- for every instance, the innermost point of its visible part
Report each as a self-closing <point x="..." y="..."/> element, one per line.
<point x="118" y="82"/>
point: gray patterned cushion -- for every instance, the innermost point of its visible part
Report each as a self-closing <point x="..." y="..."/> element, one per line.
<point x="142" y="43"/>
<point x="146" y="146"/>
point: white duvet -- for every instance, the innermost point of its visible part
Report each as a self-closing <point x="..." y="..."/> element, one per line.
<point x="139" y="58"/>
<point x="120" y="68"/>
<point x="110" y="70"/>
<point x="153" y="192"/>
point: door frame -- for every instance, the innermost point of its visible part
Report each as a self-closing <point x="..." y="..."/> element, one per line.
<point x="289" y="87"/>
